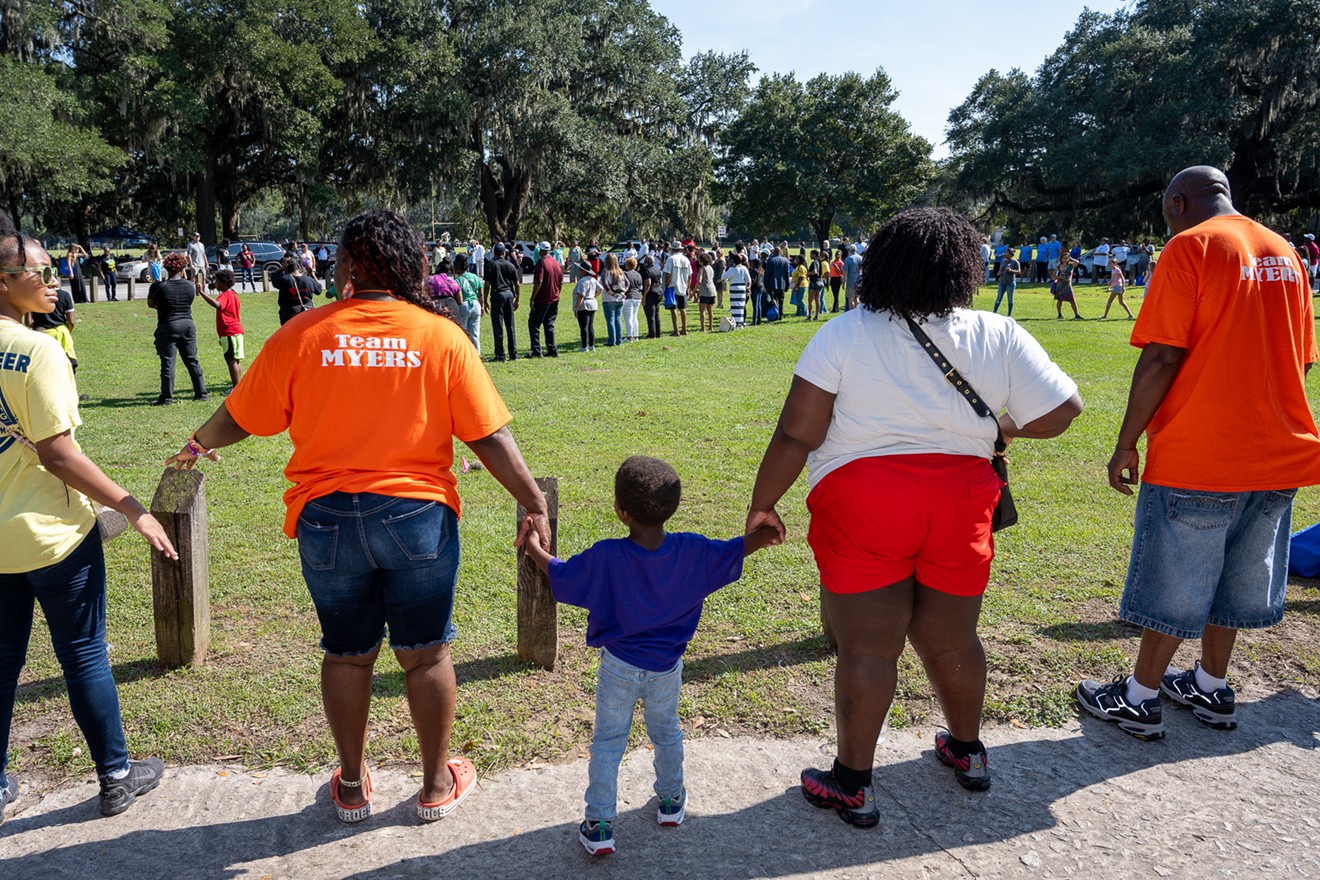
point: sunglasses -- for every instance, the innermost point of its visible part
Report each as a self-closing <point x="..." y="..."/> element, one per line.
<point x="47" y="273"/>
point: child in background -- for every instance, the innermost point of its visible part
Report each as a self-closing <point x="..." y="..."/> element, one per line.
<point x="643" y="596"/>
<point x="1116" y="282"/>
<point x="227" y="324"/>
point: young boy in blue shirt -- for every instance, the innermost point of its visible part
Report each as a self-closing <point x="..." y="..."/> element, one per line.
<point x="643" y="597"/>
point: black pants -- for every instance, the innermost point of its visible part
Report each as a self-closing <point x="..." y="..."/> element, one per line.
<point x="183" y="336"/>
<point x="501" y="323"/>
<point x="776" y="298"/>
<point x="587" y="328"/>
<point x="543" y="315"/>
<point x="835" y="284"/>
<point x="652" y="319"/>
<point x="111" y="286"/>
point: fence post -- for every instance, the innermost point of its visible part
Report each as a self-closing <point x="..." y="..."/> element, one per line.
<point x="265" y="281"/>
<point x="91" y="287"/>
<point x="181" y="590"/>
<point x="538" y="613"/>
<point x="131" y="281"/>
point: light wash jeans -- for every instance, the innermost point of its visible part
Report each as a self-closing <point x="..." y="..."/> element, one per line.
<point x="1008" y="287"/>
<point x="618" y="687"/>
<point x="630" y="307"/>
<point x="472" y="323"/>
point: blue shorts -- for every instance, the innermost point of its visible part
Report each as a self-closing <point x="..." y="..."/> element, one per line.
<point x="1198" y="558"/>
<point x="374" y="560"/>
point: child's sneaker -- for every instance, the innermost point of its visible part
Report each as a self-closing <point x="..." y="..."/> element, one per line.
<point x="972" y="772"/>
<point x="118" y="794"/>
<point x="1109" y="702"/>
<point x="1212" y="708"/>
<point x="821" y="789"/>
<point x="672" y="810"/>
<point x="597" y="838"/>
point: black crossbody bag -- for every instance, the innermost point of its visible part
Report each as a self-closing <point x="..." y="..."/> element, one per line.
<point x="1005" y="511"/>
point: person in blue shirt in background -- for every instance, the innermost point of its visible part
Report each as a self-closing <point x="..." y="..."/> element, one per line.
<point x="1025" y="259"/>
<point x="643" y="596"/>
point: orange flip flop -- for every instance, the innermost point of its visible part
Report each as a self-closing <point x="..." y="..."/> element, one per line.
<point x="355" y="813"/>
<point x="465" y="779"/>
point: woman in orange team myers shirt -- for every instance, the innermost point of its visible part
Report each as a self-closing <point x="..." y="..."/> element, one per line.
<point x="372" y="390"/>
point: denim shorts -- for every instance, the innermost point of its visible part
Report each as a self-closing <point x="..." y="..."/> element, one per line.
<point x="373" y="560"/>
<point x="1198" y="558"/>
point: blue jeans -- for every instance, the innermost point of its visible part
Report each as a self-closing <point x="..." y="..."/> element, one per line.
<point x="619" y="685"/>
<point x="470" y="315"/>
<point x="613" y="322"/>
<point x="797" y="300"/>
<point x="371" y="560"/>
<point x="72" y="597"/>
<point x="1207" y="557"/>
<point x="1006" y="287"/>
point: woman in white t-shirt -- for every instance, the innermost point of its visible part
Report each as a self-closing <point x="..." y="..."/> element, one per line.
<point x="902" y="490"/>
<point x="585" y="295"/>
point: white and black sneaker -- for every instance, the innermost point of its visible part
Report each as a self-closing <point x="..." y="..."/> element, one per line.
<point x="118" y="795"/>
<point x="8" y="795"/>
<point x="1109" y="702"/>
<point x="1212" y="708"/>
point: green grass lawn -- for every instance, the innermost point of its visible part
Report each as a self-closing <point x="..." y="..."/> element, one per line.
<point x="706" y="403"/>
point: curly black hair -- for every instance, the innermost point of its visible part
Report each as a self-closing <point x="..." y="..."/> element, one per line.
<point x="13" y="246"/>
<point x="390" y="251"/>
<point x="923" y="263"/>
<point x="647" y="489"/>
<point x="460" y="264"/>
<point x="223" y="279"/>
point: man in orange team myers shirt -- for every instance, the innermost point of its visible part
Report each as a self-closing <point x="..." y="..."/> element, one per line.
<point x="1227" y="336"/>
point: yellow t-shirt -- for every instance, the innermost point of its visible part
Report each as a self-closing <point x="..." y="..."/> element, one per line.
<point x="41" y="519"/>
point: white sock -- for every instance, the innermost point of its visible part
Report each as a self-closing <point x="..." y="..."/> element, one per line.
<point x="1137" y="692"/>
<point x="118" y="774"/>
<point x="1207" y="682"/>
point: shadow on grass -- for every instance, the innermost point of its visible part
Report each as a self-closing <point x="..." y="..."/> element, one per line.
<point x="132" y="670"/>
<point x="777" y="836"/>
<point x="1090" y="632"/>
<point x="766" y="657"/>
<point x="391" y="683"/>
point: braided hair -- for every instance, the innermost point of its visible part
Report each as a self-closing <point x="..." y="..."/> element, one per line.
<point x="390" y="251"/>
<point x="923" y="263"/>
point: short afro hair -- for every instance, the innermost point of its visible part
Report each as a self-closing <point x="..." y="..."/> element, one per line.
<point x="923" y="263"/>
<point x="647" y="489"/>
<point x="175" y="262"/>
<point x="224" y="279"/>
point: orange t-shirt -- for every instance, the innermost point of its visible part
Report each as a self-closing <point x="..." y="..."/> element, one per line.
<point x="1236" y="418"/>
<point x="373" y="395"/>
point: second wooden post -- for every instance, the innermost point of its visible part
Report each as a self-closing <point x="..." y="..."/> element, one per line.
<point x="181" y="591"/>
<point x="538" y="614"/>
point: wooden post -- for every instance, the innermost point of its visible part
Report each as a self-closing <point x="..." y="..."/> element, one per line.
<point x="265" y="281"/>
<point x="181" y="590"/>
<point x="130" y="287"/>
<point x="538" y="614"/>
<point x="91" y="287"/>
<point x="825" y="626"/>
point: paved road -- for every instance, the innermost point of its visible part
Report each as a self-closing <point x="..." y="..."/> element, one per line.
<point x="1081" y="801"/>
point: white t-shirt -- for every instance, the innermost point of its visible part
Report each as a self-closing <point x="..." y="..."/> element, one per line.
<point x="678" y="272"/>
<point x="1101" y="255"/>
<point x="1119" y="253"/>
<point x="197" y="254"/>
<point x="738" y="277"/>
<point x="892" y="399"/>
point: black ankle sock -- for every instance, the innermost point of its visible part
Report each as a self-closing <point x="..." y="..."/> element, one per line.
<point x="849" y="779"/>
<point x="962" y="749"/>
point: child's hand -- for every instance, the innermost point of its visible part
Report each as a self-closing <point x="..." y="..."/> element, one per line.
<point x="530" y="540"/>
<point x="765" y="536"/>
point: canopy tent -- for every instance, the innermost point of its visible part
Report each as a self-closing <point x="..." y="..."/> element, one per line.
<point x="119" y="235"/>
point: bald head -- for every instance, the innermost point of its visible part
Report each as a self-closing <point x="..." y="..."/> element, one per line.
<point x="1195" y="195"/>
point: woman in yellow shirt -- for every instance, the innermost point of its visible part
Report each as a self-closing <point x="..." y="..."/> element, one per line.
<point x="798" y="281"/>
<point x="50" y="548"/>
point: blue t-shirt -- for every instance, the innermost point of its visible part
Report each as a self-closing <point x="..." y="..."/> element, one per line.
<point x="644" y="606"/>
<point x="1025" y="254"/>
<point x="852" y="270"/>
<point x="1000" y="250"/>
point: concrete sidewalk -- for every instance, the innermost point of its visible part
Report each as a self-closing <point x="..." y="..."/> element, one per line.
<point x="1085" y="800"/>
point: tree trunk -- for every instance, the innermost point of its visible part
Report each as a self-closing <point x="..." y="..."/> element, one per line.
<point x="228" y="212"/>
<point x="80" y="227"/>
<point x="503" y="198"/>
<point x="205" y="214"/>
<point x="821" y="226"/>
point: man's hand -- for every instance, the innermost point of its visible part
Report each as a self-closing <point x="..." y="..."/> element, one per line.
<point x="1124" y="470"/>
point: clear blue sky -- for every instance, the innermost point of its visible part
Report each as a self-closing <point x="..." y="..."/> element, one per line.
<point x="933" y="50"/>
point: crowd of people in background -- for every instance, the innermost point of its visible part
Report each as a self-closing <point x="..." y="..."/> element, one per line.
<point x="748" y="283"/>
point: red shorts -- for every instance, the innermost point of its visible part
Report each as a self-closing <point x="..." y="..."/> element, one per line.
<point x="876" y="521"/>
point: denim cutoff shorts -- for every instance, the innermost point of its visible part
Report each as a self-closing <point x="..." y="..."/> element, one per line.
<point x="373" y="560"/>
<point x="1198" y="558"/>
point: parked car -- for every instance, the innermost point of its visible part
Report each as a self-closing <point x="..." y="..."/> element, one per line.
<point x="133" y="268"/>
<point x="270" y="256"/>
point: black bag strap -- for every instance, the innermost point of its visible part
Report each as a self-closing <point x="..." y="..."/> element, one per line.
<point x="954" y="378"/>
